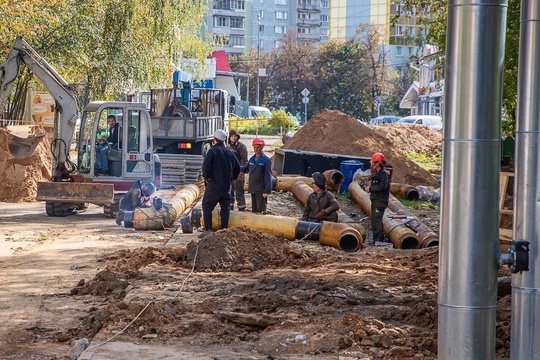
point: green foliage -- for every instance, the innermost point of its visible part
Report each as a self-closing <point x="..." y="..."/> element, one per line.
<point x="418" y="205"/>
<point x="281" y="120"/>
<point x="431" y="163"/>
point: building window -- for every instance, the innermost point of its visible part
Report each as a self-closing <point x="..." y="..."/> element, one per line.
<point x="399" y="30"/>
<point x="280" y="2"/>
<point x="237" y="23"/>
<point x="410" y="30"/>
<point x="238" y="5"/>
<point x="324" y="18"/>
<point x="410" y="50"/>
<point x="281" y="15"/>
<point x="303" y="30"/>
<point x="280" y="29"/>
<point x="237" y="41"/>
<point x="222" y="4"/>
<point x="277" y="43"/>
<point x="399" y="51"/>
<point x="325" y="32"/>
<point x="324" y="4"/>
<point x="220" y="21"/>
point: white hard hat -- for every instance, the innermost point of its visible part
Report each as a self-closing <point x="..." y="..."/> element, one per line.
<point x="221" y="135"/>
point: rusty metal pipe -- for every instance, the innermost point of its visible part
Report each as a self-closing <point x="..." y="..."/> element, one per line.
<point x="285" y="183"/>
<point x="334" y="179"/>
<point x="340" y="236"/>
<point x="400" y="235"/>
<point x="301" y="192"/>
<point x="154" y="219"/>
<point x="426" y="236"/>
<point x="404" y="191"/>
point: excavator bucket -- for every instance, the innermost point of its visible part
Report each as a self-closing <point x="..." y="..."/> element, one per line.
<point x="70" y="192"/>
<point x="21" y="147"/>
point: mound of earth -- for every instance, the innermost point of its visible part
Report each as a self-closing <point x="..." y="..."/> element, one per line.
<point x="19" y="177"/>
<point x="334" y="132"/>
<point x="243" y="249"/>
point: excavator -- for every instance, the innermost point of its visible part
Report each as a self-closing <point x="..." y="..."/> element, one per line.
<point x="104" y="170"/>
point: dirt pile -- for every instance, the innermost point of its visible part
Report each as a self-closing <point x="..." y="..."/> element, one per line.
<point x="19" y="177"/>
<point x="334" y="132"/>
<point x="243" y="249"/>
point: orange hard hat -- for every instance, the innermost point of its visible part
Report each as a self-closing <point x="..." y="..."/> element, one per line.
<point x="378" y="157"/>
<point x="257" y="141"/>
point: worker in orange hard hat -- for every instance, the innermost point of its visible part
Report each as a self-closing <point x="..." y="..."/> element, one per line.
<point x="379" y="192"/>
<point x="259" y="168"/>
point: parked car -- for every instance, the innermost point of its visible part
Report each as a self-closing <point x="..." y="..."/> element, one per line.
<point x="433" y="121"/>
<point x="384" y="119"/>
<point x="259" y="111"/>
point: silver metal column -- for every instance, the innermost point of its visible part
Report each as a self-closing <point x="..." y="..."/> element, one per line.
<point x="525" y="337"/>
<point x="468" y="259"/>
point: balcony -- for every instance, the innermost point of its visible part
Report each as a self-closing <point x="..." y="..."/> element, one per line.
<point x="309" y="8"/>
<point x="308" y="37"/>
<point x="308" y="22"/>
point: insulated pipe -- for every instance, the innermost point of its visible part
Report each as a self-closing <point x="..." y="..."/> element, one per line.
<point x="301" y="192"/>
<point x="468" y="257"/>
<point x="334" y="179"/>
<point x="285" y="183"/>
<point x="525" y="318"/>
<point x="154" y="219"/>
<point x="426" y="236"/>
<point x="340" y="236"/>
<point x="400" y="235"/>
<point x="404" y="191"/>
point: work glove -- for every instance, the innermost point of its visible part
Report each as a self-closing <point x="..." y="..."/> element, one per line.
<point x="321" y="214"/>
<point x="264" y="196"/>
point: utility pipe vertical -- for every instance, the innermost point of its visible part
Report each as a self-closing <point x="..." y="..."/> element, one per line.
<point x="525" y="319"/>
<point x="468" y="257"/>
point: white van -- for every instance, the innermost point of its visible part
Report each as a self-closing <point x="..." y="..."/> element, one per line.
<point x="433" y="121"/>
<point x="259" y="111"/>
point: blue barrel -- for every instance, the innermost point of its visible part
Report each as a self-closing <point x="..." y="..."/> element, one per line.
<point x="348" y="168"/>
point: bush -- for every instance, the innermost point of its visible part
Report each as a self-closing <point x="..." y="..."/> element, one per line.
<point x="281" y="119"/>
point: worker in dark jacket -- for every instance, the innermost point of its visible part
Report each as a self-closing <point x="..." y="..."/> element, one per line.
<point x="219" y="167"/>
<point x="379" y="192"/>
<point x="321" y="205"/>
<point x="237" y="188"/>
<point x="259" y="168"/>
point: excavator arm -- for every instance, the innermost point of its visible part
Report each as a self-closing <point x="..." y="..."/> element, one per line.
<point x="66" y="109"/>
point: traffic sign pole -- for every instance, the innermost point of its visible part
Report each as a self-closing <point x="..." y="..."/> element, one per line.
<point x="305" y="93"/>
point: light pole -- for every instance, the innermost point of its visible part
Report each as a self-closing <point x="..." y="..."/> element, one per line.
<point x="258" y="55"/>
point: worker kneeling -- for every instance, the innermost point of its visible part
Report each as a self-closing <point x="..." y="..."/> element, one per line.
<point x="321" y="205"/>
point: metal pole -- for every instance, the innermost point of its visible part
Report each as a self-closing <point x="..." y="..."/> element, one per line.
<point x="305" y="112"/>
<point x="469" y="247"/>
<point x="525" y="320"/>
<point x="258" y="55"/>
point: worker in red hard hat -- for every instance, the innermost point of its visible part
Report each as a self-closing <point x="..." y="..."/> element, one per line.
<point x="379" y="192"/>
<point x="259" y="168"/>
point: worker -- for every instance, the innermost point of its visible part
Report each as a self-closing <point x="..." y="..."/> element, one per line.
<point x="259" y="168"/>
<point x="321" y="204"/>
<point x="237" y="188"/>
<point x="102" y="163"/>
<point x="115" y="132"/>
<point x="379" y="192"/>
<point x="220" y="167"/>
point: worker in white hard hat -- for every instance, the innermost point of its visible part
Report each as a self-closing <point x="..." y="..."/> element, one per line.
<point x="220" y="167"/>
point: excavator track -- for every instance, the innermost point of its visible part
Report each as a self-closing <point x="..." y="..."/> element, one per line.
<point x="58" y="209"/>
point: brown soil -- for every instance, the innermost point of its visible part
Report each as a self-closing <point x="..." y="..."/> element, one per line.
<point x="334" y="132"/>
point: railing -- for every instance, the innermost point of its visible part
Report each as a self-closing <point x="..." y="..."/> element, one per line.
<point x="6" y="122"/>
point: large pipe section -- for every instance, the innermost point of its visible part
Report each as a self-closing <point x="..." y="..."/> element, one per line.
<point x="301" y="192"/>
<point x="404" y="191"/>
<point x="525" y="319"/>
<point x="340" y="236"/>
<point x="152" y="218"/>
<point x="426" y="236"/>
<point x="400" y="235"/>
<point x="334" y="179"/>
<point x="468" y="257"/>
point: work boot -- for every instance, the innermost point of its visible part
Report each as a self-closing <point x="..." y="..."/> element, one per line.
<point x="232" y="207"/>
<point x="242" y="209"/>
<point x="205" y="233"/>
<point x="119" y="217"/>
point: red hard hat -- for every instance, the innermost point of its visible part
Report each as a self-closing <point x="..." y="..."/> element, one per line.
<point x="378" y="157"/>
<point x="258" y="141"/>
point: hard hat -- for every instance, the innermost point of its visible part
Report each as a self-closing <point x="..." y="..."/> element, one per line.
<point x="221" y="135"/>
<point x="319" y="179"/>
<point x="378" y="157"/>
<point x="258" y="141"/>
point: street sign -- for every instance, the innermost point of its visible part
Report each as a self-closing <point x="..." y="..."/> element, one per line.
<point x="305" y="100"/>
<point x="377" y="101"/>
<point x="305" y="92"/>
